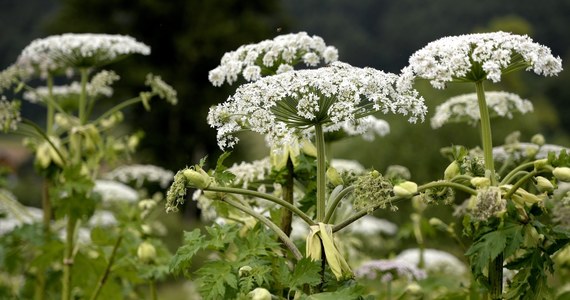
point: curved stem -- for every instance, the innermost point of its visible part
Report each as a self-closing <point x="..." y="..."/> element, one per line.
<point x="107" y="271"/>
<point x="336" y="201"/>
<point x="83" y="96"/>
<point x="284" y="238"/>
<point x="321" y="178"/>
<point x="118" y="107"/>
<point x="520" y="183"/>
<point x="454" y="185"/>
<point x="486" y="136"/>
<point x="43" y="134"/>
<point x="514" y="171"/>
<point x="276" y="200"/>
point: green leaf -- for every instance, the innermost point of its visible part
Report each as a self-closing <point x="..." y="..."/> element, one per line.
<point x="181" y="261"/>
<point x="103" y="236"/>
<point x="306" y="272"/>
<point x="217" y="281"/>
<point x="221" y="174"/>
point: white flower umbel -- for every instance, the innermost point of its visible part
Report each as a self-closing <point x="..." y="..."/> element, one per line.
<point x="473" y="57"/>
<point x="286" y="106"/>
<point x="435" y="261"/>
<point x="247" y="172"/>
<point x="347" y="165"/>
<point x="270" y="57"/>
<point x="114" y="191"/>
<point x="141" y="174"/>
<point x="62" y="92"/>
<point x="85" y="50"/>
<point x="465" y="108"/>
<point x="9" y="114"/>
<point x="368" y="127"/>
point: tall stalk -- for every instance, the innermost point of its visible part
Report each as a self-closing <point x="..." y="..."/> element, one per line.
<point x="68" y="258"/>
<point x="286" y="214"/>
<point x="495" y="265"/>
<point x="83" y="96"/>
<point x="321" y="183"/>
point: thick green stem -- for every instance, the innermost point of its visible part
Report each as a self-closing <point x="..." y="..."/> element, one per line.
<point x="496" y="277"/>
<point x="256" y="194"/>
<point x="520" y="183"/>
<point x="83" y="96"/>
<point x="321" y="177"/>
<point x="486" y="136"/>
<point x="107" y="271"/>
<point x="336" y="201"/>
<point x="68" y="258"/>
<point x="152" y="287"/>
<point x="284" y="238"/>
<point x="286" y="214"/>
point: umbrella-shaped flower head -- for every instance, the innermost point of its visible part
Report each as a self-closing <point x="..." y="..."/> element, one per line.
<point x="287" y="106"/>
<point x="269" y="57"/>
<point x="474" y="57"/>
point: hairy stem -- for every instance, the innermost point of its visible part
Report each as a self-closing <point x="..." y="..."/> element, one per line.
<point x="321" y="178"/>
<point x="284" y="238"/>
<point x="275" y="200"/>
<point x="107" y="271"/>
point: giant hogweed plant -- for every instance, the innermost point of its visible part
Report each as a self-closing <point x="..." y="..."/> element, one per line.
<point x="70" y="150"/>
<point x="507" y="217"/>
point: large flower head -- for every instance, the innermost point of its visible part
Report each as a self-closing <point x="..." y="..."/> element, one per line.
<point x="270" y="57"/>
<point x="288" y="105"/>
<point x="473" y="57"/>
<point x="465" y="108"/>
<point x="70" y="50"/>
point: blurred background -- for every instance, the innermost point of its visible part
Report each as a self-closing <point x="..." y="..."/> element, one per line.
<point x="189" y="37"/>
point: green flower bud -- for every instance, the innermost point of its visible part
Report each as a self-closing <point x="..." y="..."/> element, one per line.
<point x="438" y="224"/>
<point x="540" y="164"/>
<point x="480" y="182"/>
<point x="405" y="189"/>
<point x="334" y="177"/>
<point x="260" y="294"/>
<point x="531" y="151"/>
<point x="197" y="178"/>
<point x="543" y="184"/>
<point x="562" y="173"/>
<point x="451" y="171"/>
<point x="374" y="174"/>
<point x="538" y="139"/>
<point x="308" y="148"/>
<point x="146" y="252"/>
<point x="244" y="271"/>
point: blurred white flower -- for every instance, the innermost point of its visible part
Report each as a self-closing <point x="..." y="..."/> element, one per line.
<point x="370" y="226"/>
<point x="247" y="172"/>
<point x="9" y="114"/>
<point x="70" y="50"/>
<point x="388" y="269"/>
<point x="521" y="150"/>
<point x="114" y="191"/>
<point x="472" y="57"/>
<point x="347" y="165"/>
<point x="435" y="261"/>
<point x="141" y="174"/>
<point x="268" y="57"/>
<point x="102" y="218"/>
<point x="465" y="108"/>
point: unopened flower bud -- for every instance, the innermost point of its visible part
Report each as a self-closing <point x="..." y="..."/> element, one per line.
<point x="308" y="148"/>
<point x="146" y="252"/>
<point x="244" y="271"/>
<point x="540" y="164"/>
<point x="405" y="189"/>
<point x="260" y="294"/>
<point x="543" y="184"/>
<point x="451" y="171"/>
<point x="374" y="174"/>
<point x="480" y="182"/>
<point x="197" y="178"/>
<point x="334" y="177"/>
<point x="438" y="224"/>
<point x="562" y="173"/>
<point x="537" y="139"/>
<point x="531" y="151"/>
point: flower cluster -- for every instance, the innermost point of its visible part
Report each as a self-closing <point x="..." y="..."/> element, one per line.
<point x="272" y="57"/>
<point x="114" y="191"/>
<point x="9" y="114"/>
<point x="435" y="261"/>
<point x="162" y="89"/>
<point x="286" y="106"/>
<point x="372" y="191"/>
<point x="60" y="52"/>
<point x="248" y="172"/>
<point x="141" y="174"/>
<point x="388" y="269"/>
<point x="473" y="57"/>
<point x="465" y="108"/>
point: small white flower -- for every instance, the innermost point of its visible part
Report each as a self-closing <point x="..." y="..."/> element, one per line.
<point x="473" y="57"/>
<point x="465" y="108"/>
<point x="270" y="56"/>
<point x="284" y="107"/>
<point x="60" y="52"/>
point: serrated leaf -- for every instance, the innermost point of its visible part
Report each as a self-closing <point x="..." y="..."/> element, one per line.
<point x="215" y="279"/>
<point x="181" y="261"/>
<point x="306" y="272"/>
